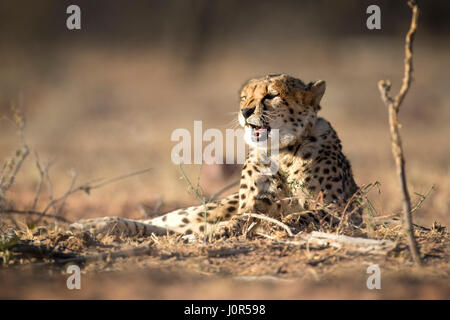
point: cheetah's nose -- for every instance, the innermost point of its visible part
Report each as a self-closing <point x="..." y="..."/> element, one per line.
<point x="247" y="112"/>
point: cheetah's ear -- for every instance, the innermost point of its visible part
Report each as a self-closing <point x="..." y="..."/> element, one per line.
<point x="317" y="89"/>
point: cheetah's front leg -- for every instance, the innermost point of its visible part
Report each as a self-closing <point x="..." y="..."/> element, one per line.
<point x="258" y="193"/>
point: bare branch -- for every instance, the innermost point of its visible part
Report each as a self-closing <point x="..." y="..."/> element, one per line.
<point x="227" y="252"/>
<point x="423" y="197"/>
<point x="11" y="168"/>
<point x="61" y="258"/>
<point x="33" y="212"/>
<point x="87" y="187"/>
<point x="268" y="219"/>
<point x="397" y="149"/>
<point x="134" y="252"/>
<point x="320" y="240"/>
<point x="49" y="186"/>
<point x="407" y="77"/>
<point x="64" y="197"/>
<point x="39" y="185"/>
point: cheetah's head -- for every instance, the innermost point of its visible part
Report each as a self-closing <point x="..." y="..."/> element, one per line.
<point x="278" y="102"/>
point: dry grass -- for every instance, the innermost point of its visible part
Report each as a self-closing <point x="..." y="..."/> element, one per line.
<point x="277" y="257"/>
<point x="119" y="119"/>
<point x="169" y="267"/>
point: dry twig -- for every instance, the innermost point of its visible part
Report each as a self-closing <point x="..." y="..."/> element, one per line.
<point x="393" y="104"/>
<point x="40" y="251"/>
<point x="60" y="258"/>
<point x="268" y="219"/>
<point x="34" y="212"/>
<point x="134" y="252"/>
<point x="87" y="187"/>
<point x="227" y="252"/>
<point x="11" y="168"/>
<point x="320" y="240"/>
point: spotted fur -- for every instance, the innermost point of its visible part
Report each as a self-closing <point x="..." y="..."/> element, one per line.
<point x="310" y="155"/>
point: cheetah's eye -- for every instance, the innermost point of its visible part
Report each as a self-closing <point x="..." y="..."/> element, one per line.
<point x="270" y="96"/>
<point x="243" y="98"/>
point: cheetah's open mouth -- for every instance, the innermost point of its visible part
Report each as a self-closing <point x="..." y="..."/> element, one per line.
<point x="260" y="133"/>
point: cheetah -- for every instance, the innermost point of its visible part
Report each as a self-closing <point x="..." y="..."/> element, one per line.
<point x="274" y="107"/>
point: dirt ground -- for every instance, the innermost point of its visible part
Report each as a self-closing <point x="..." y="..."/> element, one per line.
<point x="238" y="268"/>
<point x="105" y="113"/>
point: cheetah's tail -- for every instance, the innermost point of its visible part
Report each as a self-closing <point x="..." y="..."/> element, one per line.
<point x="202" y="219"/>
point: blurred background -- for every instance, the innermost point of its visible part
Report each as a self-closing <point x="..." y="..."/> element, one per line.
<point x="105" y="99"/>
